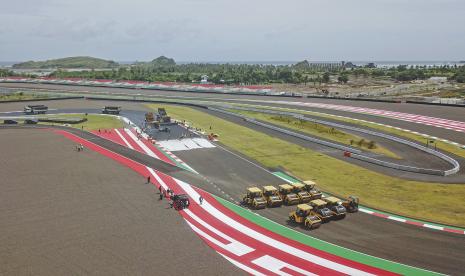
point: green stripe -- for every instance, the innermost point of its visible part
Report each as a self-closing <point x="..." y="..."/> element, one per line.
<point x="322" y="245"/>
<point x="290" y="179"/>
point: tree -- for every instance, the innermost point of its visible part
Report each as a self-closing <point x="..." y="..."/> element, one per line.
<point x="343" y="78"/>
<point x="325" y="77"/>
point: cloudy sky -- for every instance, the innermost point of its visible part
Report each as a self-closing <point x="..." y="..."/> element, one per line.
<point x="234" y="30"/>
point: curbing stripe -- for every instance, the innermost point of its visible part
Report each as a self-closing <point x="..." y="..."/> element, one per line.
<point x="381" y="214"/>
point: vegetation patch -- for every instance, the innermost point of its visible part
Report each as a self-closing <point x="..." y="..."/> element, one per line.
<point x="322" y="131"/>
<point x="20" y="96"/>
<point x="422" y="200"/>
<point x="94" y="121"/>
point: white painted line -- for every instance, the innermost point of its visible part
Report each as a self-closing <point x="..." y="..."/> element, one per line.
<point x="397" y="218"/>
<point x="124" y="139"/>
<point x="243" y="267"/>
<point x="274" y="265"/>
<point x="267" y="240"/>
<point x="141" y="144"/>
<point x="235" y="247"/>
<point x="433" y="226"/>
<point x="159" y="180"/>
<point x="366" y="211"/>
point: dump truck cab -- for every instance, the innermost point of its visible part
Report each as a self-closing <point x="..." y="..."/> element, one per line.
<point x="351" y="204"/>
<point x="254" y="198"/>
<point x="35" y="109"/>
<point x="303" y="214"/>
<point x="111" y="110"/>
<point x="287" y="194"/>
<point x="299" y="190"/>
<point x="320" y="209"/>
<point x="310" y="187"/>
<point x="335" y="205"/>
<point x="272" y="196"/>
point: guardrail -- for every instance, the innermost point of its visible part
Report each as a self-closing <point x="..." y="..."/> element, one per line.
<point x="354" y="154"/>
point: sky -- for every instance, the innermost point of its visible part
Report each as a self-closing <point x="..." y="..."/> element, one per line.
<point x="234" y="30"/>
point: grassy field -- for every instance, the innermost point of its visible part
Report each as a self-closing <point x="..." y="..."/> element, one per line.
<point x="20" y="96"/>
<point x="322" y="131"/>
<point x="428" y="201"/>
<point x="94" y="121"/>
<point x="419" y="138"/>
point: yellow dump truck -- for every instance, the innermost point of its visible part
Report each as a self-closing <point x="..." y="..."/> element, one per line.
<point x="320" y="209"/>
<point x="254" y="198"/>
<point x="335" y="205"/>
<point x="303" y="214"/>
<point x="272" y="196"/>
<point x="287" y="194"/>
<point x="299" y="190"/>
<point x="310" y="187"/>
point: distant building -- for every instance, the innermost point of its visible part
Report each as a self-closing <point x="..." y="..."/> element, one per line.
<point x="371" y="65"/>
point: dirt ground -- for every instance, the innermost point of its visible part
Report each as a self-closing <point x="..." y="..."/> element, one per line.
<point x="69" y="213"/>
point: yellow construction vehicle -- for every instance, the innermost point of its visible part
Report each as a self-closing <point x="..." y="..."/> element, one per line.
<point x="303" y="214"/>
<point x="298" y="189"/>
<point x="335" y="205"/>
<point x="288" y="197"/>
<point x="272" y="196"/>
<point x="351" y="204"/>
<point x="320" y="210"/>
<point x="309" y="186"/>
<point x="254" y="198"/>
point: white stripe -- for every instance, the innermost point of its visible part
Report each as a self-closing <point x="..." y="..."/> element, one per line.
<point x="140" y="143"/>
<point x="397" y="219"/>
<point x="242" y="266"/>
<point x="162" y="183"/>
<point x="124" y="139"/>
<point x="274" y="265"/>
<point x="366" y="211"/>
<point x="433" y="226"/>
<point x="235" y="247"/>
<point x="267" y="240"/>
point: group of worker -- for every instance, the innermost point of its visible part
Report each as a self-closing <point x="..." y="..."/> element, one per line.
<point x="169" y="193"/>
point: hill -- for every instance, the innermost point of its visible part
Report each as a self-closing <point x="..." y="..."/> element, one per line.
<point x="163" y="61"/>
<point x="69" y="62"/>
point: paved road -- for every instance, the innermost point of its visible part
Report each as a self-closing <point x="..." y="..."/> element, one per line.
<point x="420" y="247"/>
<point x="69" y="213"/>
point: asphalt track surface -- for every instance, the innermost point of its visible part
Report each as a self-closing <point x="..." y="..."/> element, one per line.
<point x="88" y="216"/>
<point x="404" y="243"/>
<point x="411" y="156"/>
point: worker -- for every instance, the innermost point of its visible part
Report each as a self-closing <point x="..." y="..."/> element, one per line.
<point x="82" y="147"/>
<point x="200" y="200"/>
<point x="171" y="203"/>
<point x="159" y="189"/>
<point x="161" y="196"/>
<point x="148" y="179"/>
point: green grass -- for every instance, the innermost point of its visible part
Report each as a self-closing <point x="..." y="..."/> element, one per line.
<point x="428" y="201"/>
<point x="419" y="138"/>
<point x="94" y="121"/>
<point x="320" y="130"/>
<point x="20" y="96"/>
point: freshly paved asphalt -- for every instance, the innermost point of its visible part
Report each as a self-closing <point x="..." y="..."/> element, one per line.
<point x="438" y="251"/>
<point x="69" y="213"/>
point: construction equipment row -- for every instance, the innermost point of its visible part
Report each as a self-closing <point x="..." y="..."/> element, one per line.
<point x="288" y="194"/>
<point x="313" y="208"/>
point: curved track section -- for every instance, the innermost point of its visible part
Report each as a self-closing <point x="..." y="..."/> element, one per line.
<point x="252" y="247"/>
<point x="356" y="153"/>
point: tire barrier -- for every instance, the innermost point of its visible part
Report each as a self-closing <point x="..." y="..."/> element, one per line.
<point x="356" y="154"/>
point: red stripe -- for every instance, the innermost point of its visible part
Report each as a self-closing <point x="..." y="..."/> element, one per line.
<point x="131" y="141"/>
<point x="230" y="231"/>
<point x="155" y="150"/>
<point x="454" y="230"/>
<point x="290" y="242"/>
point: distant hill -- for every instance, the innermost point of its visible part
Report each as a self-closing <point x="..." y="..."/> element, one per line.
<point x="163" y="61"/>
<point x="302" y="65"/>
<point x="69" y="62"/>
